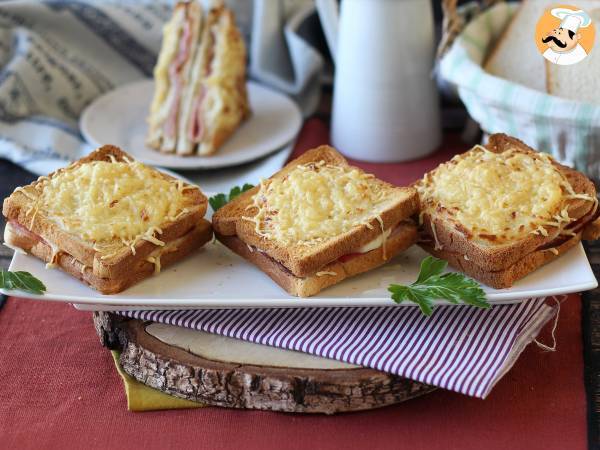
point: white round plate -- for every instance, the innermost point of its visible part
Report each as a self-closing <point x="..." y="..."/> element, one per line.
<point x="119" y="118"/>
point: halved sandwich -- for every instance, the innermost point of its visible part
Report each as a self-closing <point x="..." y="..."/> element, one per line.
<point x="498" y="212"/>
<point x="107" y="220"/>
<point x="200" y="96"/>
<point x="317" y="222"/>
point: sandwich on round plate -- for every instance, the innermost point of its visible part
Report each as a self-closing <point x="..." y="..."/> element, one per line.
<point x="107" y="220"/>
<point x="499" y="212"/>
<point x="200" y="96"/>
<point x="317" y="222"/>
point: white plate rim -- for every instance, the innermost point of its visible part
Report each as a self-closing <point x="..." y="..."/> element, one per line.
<point x="495" y="298"/>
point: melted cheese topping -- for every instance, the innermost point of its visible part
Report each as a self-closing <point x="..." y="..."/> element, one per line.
<point x="55" y="251"/>
<point x="111" y="204"/>
<point x="314" y="202"/>
<point x="375" y="243"/>
<point x="506" y="195"/>
<point x="156" y="261"/>
<point x="8" y="232"/>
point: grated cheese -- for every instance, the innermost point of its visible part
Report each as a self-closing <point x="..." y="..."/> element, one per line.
<point x="316" y="201"/>
<point x="156" y="261"/>
<point x="436" y="242"/>
<point x="52" y="264"/>
<point x="321" y="274"/>
<point x="507" y="194"/>
<point x="112" y="204"/>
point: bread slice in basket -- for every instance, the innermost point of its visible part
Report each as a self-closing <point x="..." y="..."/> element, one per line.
<point x="501" y="211"/>
<point x="318" y="221"/>
<point x="112" y="219"/>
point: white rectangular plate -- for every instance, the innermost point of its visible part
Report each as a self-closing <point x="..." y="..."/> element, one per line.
<point x="214" y="277"/>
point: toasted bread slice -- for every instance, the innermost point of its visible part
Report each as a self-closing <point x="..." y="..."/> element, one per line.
<point x="403" y="237"/>
<point x="304" y="259"/>
<point x="506" y="277"/>
<point x="494" y="252"/>
<point x="139" y="270"/>
<point x="23" y="210"/>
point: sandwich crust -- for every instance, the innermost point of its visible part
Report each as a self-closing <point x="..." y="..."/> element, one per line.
<point x="491" y="255"/>
<point x="139" y="270"/>
<point x="16" y="210"/>
<point x="304" y="260"/>
<point x="210" y="96"/>
<point x="506" y="277"/>
<point x="330" y="274"/>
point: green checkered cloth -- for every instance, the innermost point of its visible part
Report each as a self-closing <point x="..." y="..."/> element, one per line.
<point x="568" y="130"/>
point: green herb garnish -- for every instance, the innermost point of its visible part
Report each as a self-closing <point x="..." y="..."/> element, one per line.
<point x="220" y="200"/>
<point x="432" y="285"/>
<point x="22" y="281"/>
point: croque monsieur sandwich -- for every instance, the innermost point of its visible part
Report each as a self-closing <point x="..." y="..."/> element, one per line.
<point x="107" y="220"/>
<point x="317" y="222"/>
<point x="499" y="212"/>
<point x="200" y="94"/>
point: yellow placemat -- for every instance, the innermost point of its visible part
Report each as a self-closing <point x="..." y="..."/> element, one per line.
<point x="143" y="398"/>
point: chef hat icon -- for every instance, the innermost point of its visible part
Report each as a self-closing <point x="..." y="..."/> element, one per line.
<point x="572" y="20"/>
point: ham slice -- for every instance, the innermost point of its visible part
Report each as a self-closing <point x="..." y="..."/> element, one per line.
<point x="197" y="126"/>
<point x="196" y="130"/>
<point x="20" y="230"/>
<point x="350" y="256"/>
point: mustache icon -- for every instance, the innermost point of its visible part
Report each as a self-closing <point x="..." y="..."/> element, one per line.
<point x="556" y="41"/>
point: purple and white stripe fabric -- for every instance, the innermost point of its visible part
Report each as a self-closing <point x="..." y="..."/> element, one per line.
<point x="463" y="349"/>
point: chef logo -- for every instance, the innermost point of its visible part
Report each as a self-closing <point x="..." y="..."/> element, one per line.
<point x="565" y="35"/>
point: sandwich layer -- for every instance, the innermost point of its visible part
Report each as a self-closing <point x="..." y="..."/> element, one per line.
<point x="164" y="256"/>
<point x="71" y="211"/>
<point x="354" y="263"/>
<point x="221" y="103"/>
<point x="172" y="74"/>
<point x="200" y="96"/>
<point x="504" y="278"/>
<point x="500" y="203"/>
<point x="304" y="218"/>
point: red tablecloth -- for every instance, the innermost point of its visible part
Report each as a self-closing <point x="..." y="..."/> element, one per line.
<point x="59" y="389"/>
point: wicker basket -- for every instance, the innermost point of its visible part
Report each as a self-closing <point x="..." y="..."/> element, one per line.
<point x="568" y="130"/>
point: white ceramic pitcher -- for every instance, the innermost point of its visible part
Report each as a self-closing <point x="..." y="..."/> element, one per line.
<point x="385" y="101"/>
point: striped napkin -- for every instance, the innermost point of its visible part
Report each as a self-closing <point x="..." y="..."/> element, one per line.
<point x="460" y="348"/>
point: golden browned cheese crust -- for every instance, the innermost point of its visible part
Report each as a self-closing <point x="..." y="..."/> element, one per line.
<point x="492" y="254"/>
<point x="304" y="260"/>
<point x="16" y="208"/>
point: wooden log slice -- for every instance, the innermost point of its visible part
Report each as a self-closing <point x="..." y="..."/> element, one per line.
<point x="227" y="372"/>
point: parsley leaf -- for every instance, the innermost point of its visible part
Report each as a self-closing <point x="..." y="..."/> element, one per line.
<point x="432" y="284"/>
<point x="220" y="200"/>
<point x="22" y="281"/>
